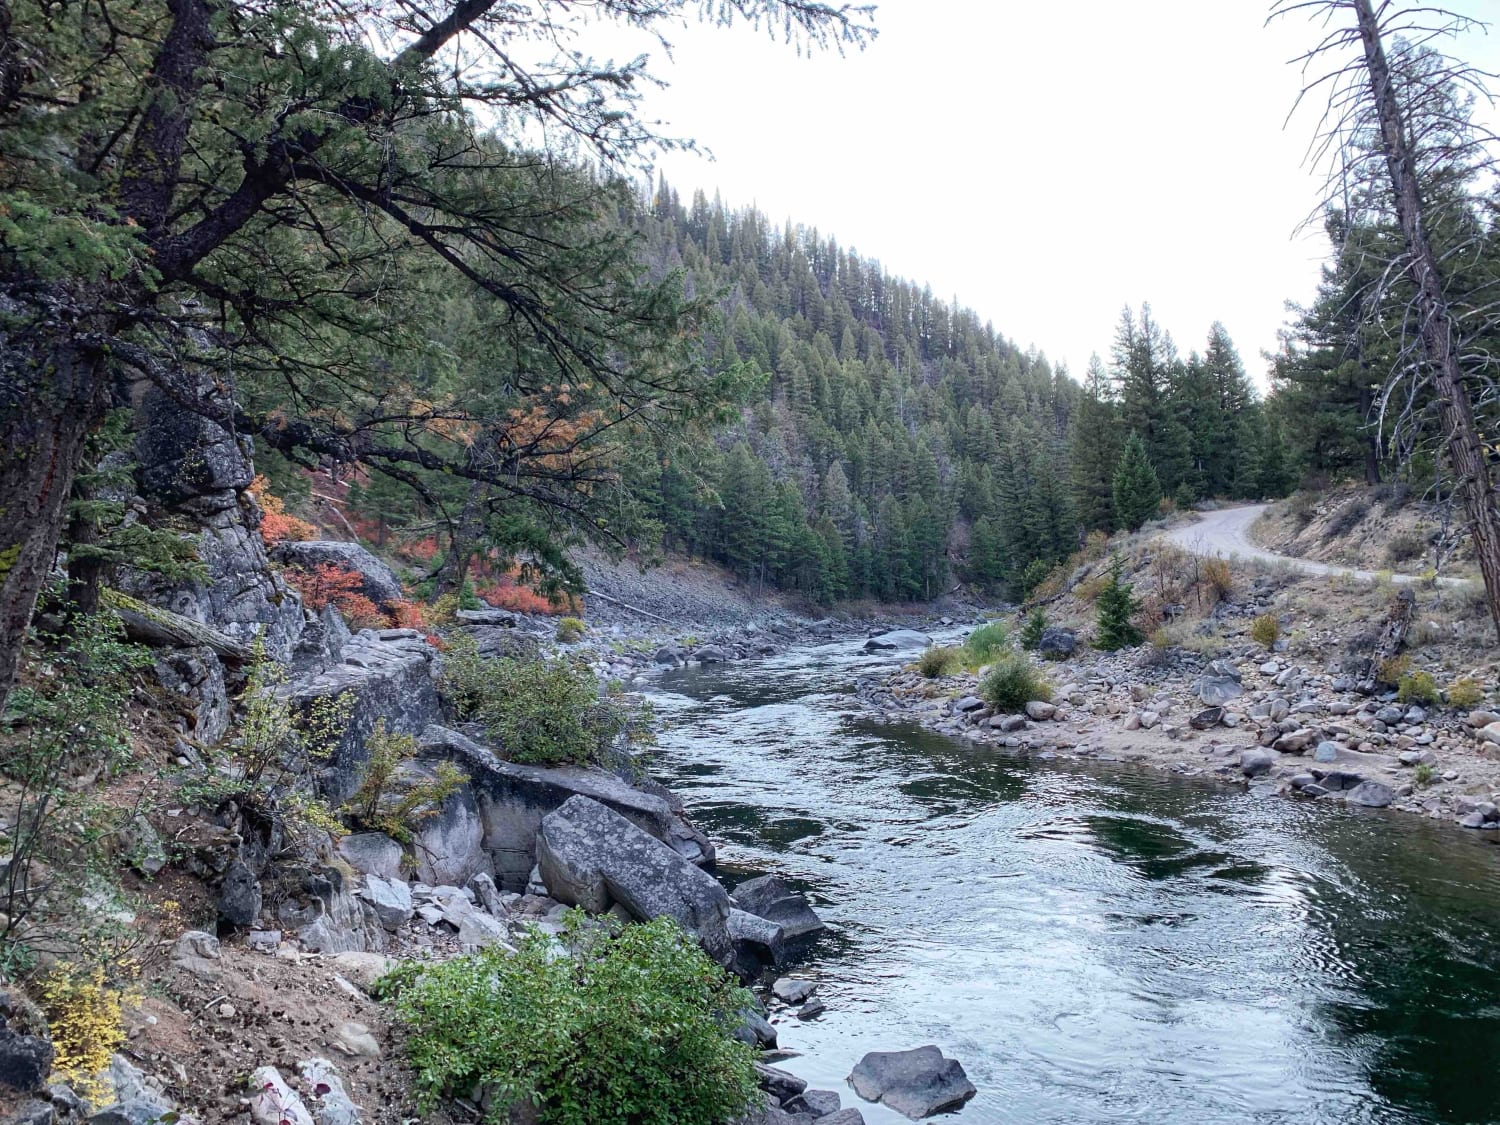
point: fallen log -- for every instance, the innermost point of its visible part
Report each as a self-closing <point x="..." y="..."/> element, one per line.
<point x="151" y="625"/>
<point x="627" y="605"/>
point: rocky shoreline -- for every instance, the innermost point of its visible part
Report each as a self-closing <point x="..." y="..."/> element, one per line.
<point x="1279" y="725"/>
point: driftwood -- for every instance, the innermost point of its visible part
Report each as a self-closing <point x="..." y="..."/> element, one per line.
<point x="150" y="625"/>
<point x="627" y="605"/>
<point x="1392" y="638"/>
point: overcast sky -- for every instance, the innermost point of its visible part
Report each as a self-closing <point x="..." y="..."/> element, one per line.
<point x="1045" y="164"/>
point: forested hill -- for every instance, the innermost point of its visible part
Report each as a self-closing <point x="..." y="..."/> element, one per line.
<point x="895" y="444"/>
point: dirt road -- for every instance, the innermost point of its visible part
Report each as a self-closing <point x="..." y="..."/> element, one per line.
<point x="1226" y="533"/>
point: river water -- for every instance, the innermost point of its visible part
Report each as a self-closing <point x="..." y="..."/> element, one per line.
<point x="1095" y="943"/>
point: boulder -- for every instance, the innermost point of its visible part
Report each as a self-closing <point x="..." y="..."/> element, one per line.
<point x="847" y="1116"/>
<point x="196" y="674"/>
<point x="239" y="895"/>
<point x="898" y="640"/>
<point x="391" y="899"/>
<point x="779" y="1084"/>
<point x="449" y="843"/>
<point x="1215" y="691"/>
<point x="1490" y="733"/>
<point x="372" y="853"/>
<point x="591" y="856"/>
<point x="198" y="953"/>
<point x="1207" y="719"/>
<point x="1327" y="751"/>
<point x="1040" y="710"/>
<point x="755" y="1030"/>
<point x="758" y="943"/>
<point x="711" y="654"/>
<point x="769" y="897"/>
<point x="25" y="1060"/>
<point x="273" y="1102"/>
<point x="968" y="703"/>
<point x="792" y="990"/>
<point x="1295" y="742"/>
<point x="1371" y="794"/>
<point x="916" y="1083"/>
<point x="512" y="799"/>
<point x="820" y="1103"/>
<point x="1256" y="761"/>
<point x="331" y="1102"/>
<point x="376" y="580"/>
<point x="328" y="918"/>
<point x="1057" y="643"/>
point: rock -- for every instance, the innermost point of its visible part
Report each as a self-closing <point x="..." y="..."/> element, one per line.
<point x="356" y="1039"/>
<point x="758" y="943"/>
<point x="1371" y="794"/>
<point x="849" y="1116"/>
<point x="449" y="844"/>
<point x="273" y="1102"/>
<point x="198" y="953"/>
<point x="1295" y="742"/>
<point x="591" y="856"/>
<point x="1489" y="733"/>
<point x="25" y="1060"/>
<point x="376" y="580"/>
<point x="33" y="1113"/>
<point x="391" y="899"/>
<point x="239" y="895"/>
<point x="1057" y="643"/>
<point x="1390" y="715"/>
<point x="1008" y="723"/>
<point x="898" y="640"/>
<point x="711" y="654"/>
<point x="331" y="1102"/>
<point x="666" y="656"/>
<point x="1207" y="719"/>
<point x="1149" y="720"/>
<point x="917" y="1083"/>
<point x="488" y="894"/>
<point x="1256" y="761"/>
<point x="363" y="968"/>
<point x="968" y="703"/>
<point x="1472" y="820"/>
<point x="1482" y="718"/>
<point x="780" y="1084"/>
<point x="771" y="898"/>
<point x="1327" y="752"/>
<point x="328" y="917"/>
<point x="755" y="1030"/>
<point x="512" y="799"/>
<point x="812" y="1009"/>
<point x="1339" y="780"/>
<point x="1215" y="691"/>
<point x="372" y="853"/>
<point x="791" y="990"/>
<point x="819" y="1103"/>
<point x="1040" y="711"/>
<point x="1417" y="757"/>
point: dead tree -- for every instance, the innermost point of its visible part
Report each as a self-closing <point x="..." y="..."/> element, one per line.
<point x="1385" y="134"/>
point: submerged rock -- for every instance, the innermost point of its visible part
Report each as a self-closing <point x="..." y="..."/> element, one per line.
<point x="769" y="897"/>
<point x="898" y="640"/>
<point x="917" y="1083"/>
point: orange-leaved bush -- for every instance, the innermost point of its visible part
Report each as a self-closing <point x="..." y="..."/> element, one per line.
<point x="275" y="524"/>
<point x="330" y="584"/>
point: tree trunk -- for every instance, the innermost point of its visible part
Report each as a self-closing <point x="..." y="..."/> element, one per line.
<point x="1438" y="331"/>
<point x="464" y="540"/>
<point x="49" y="402"/>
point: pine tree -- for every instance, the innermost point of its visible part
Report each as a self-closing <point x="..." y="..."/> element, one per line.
<point x="1137" y="492"/>
<point x="1031" y="632"/>
<point x="1094" y="450"/>
<point x="1115" y="610"/>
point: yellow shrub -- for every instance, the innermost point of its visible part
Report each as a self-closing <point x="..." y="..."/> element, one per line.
<point x="1465" y="694"/>
<point x="570" y="629"/>
<point x="1218" y="577"/>
<point x="1392" y="670"/>
<point x="85" y="1021"/>
<point x="1265" y="629"/>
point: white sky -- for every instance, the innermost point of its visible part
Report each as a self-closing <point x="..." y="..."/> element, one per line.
<point x="1043" y="163"/>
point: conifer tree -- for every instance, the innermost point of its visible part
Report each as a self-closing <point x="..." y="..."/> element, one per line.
<point x="1137" y="491"/>
<point x="1115" y="610"/>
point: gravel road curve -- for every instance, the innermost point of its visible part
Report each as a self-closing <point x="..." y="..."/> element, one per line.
<point x="1226" y="533"/>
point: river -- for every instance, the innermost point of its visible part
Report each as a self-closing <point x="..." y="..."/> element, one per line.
<point x="1095" y="943"/>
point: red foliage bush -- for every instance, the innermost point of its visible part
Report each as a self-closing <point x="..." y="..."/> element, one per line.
<point x="330" y="584"/>
<point x="275" y="524"/>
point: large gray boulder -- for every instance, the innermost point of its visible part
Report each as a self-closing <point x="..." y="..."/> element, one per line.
<point x="898" y="640"/>
<point x="376" y="580"/>
<point x="769" y="897"/>
<point x="512" y="799"/>
<point x="591" y="856"/>
<point x="372" y="853"/>
<point x="917" y="1083"/>
<point x="1057" y="643"/>
<point x="389" y="676"/>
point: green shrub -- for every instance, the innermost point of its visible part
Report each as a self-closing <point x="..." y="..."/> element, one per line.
<point x="984" y="642"/>
<point x="632" y="1029"/>
<point x="1031" y="632"/>
<point x="1403" y="547"/>
<point x="570" y="629"/>
<point x="1417" y="687"/>
<point x="1465" y="694"/>
<point x="542" y="712"/>
<point x="1014" y="682"/>
<point x="375" y="805"/>
<point x="1265" y="630"/>
<point x="1033" y="576"/>
<point x="1423" y="776"/>
<point x="938" y="661"/>
<point x="1114" y="609"/>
